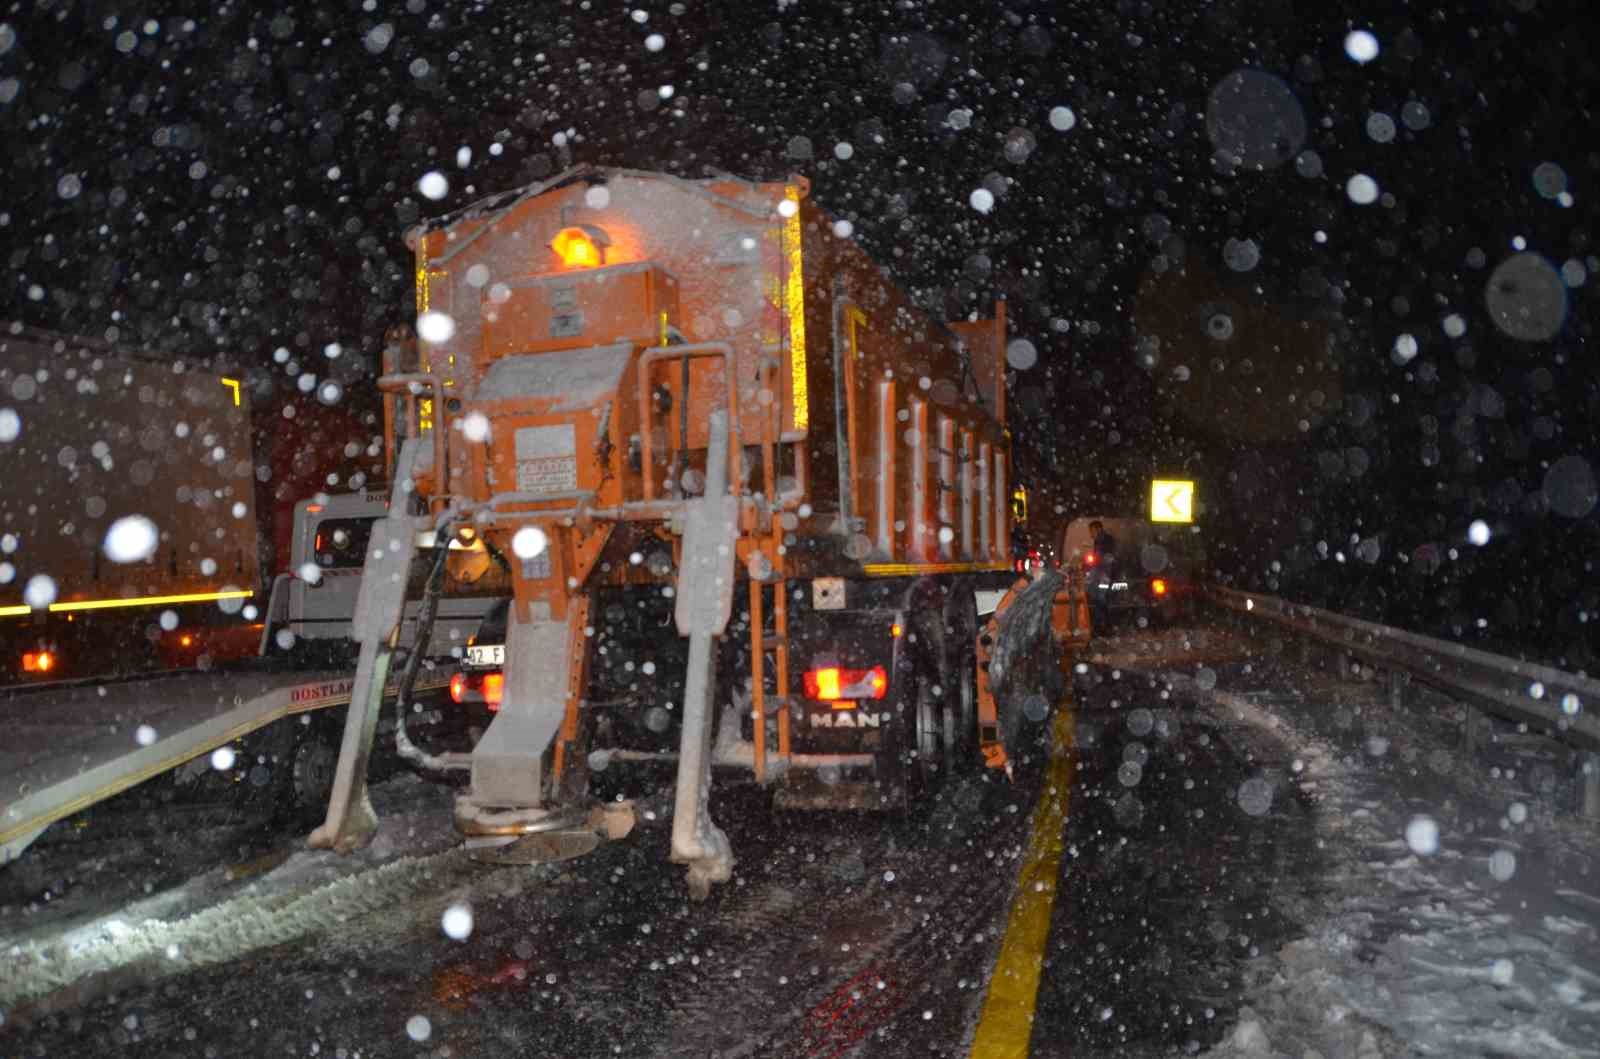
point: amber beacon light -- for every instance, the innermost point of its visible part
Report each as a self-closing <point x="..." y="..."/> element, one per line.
<point x="581" y="246"/>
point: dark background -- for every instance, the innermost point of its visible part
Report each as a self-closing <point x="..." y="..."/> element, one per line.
<point x="229" y="183"/>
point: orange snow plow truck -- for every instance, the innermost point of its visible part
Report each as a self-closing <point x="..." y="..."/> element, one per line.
<point x="693" y="404"/>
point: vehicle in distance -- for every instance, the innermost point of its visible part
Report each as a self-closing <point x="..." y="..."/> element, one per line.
<point x="1150" y="577"/>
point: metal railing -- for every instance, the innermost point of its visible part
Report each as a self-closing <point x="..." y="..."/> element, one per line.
<point x="1566" y="703"/>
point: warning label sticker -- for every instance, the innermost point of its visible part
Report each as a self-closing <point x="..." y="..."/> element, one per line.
<point x="547" y="459"/>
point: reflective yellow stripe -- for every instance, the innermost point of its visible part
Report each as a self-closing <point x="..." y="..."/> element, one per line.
<point x="133" y="601"/>
<point x="794" y="304"/>
<point x="1007" y="1021"/>
<point x="914" y="569"/>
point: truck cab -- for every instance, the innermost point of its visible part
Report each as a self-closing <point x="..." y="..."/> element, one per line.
<point x="315" y="600"/>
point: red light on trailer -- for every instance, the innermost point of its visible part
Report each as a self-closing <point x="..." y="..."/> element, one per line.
<point x="494" y="686"/>
<point x="313" y="508"/>
<point x="1158" y="586"/>
<point x="1091" y="559"/>
<point x="458" y="687"/>
<point x="38" y="662"/>
<point x="832" y="684"/>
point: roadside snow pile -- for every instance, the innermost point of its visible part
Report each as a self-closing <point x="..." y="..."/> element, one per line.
<point x="216" y="934"/>
<point x="212" y="919"/>
<point x="1461" y="918"/>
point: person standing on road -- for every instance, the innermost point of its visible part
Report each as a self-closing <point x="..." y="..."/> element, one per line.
<point x="1098" y="584"/>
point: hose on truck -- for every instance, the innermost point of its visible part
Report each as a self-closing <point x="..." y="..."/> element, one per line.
<point x="427" y="610"/>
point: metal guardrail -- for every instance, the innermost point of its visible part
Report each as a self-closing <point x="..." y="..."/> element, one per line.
<point x="1568" y="704"/>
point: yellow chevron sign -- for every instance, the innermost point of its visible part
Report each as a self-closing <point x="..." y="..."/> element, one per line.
<point x="1171" y="500"/>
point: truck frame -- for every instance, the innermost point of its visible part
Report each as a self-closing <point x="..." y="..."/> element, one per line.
<point x="653" y="392"/>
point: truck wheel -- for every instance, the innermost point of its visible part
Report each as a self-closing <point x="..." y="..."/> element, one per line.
<point x="316" y="758"/>
<point x="929" y="732"/>
<point x="961" y="682"/>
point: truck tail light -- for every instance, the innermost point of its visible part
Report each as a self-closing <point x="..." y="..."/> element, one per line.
<point x="1091" y="559"/>
<point x="832" y="684"/>
<point x="458" y="687"/>
<point x="494" y="686"/>
<point x="38" y="662"/>
<point x="1158" y="586"/>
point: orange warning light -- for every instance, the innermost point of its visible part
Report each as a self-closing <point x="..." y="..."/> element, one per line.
<point x="581" y="246"/>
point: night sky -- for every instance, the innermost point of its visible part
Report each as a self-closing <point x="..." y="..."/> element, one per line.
<point x="1179" y="225"/>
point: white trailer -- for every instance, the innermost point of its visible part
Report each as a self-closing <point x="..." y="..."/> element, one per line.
<point x="92" y="438"/>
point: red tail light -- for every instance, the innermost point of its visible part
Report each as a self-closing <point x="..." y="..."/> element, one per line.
<point x="494" y="686"/>
<point x="1091" y="559"/>
<point x="38" y="662"/>
<point x="1158" y="586"/>
<point x="458" y="687"/>
<point x="832" y="684"/>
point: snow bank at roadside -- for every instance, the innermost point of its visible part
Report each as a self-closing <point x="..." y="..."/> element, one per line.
<point x="1461" y="917"/>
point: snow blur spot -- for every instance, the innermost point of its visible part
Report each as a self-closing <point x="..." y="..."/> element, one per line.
<point x="1129" y="773"/>
<point x="478" y="275"/>
<point x="655" y="42"/>
<point x="1361" y="46"/>
<point x="169" y="620"/>
<point x="69" y="186"/>
<point x="475" y="426"/>
<point x="1035" y="707"/>
<point x="457" y="921"/>
<point x="1422" y="835"/>
<point x="1405" y="348"/>
<point x="1571" y="704"/>
<point x="1415" y="116"/>
<point x="10" y="425"/>
<point x="1380" y="127"/>
<point x="1536" y="690"/>
<point x="1019" y="145"/>
<point x="310" y="573"/>
<point x="1501" y="971"/>
<point x="223" y="758"/>
<point x="1021" y="354"/>
<point x="1569" y="487"/>
<point x="1308" y="164"/>
<point x="529" y="542"/>
<point x="1362" y="189"/>
<point x="843" y="229"/>
<point x="1517" y="813"/>
<point x="1478" y="533"/>
<point x="1062" y="119"/>
<point x="787" y="208"/>
<point x="378" y="37"/>
<point x="1549" y="180"/>
<point x="330" y="393"/>
<point x="599" y="760"/>
<point x="1502" y="865"/>
<point x="1254" y="119"/>
<point x="982" y="200"/>
<point x="1241" y="255"/>
<point x="144" y="735"/>
<point x="1205" y="678"/>
<point x="433" y="185"/>
<point x="39" y="592"/>
<point x="433" y="326"/>
<point x="1526" y="298"/>
<point x="285" y="639"/>
<point x="418" y="1028"/>
<point x="131" y="539"/>
<point x="1255" y="796"/>
<point x="843" y="151"/>
<point x="1454" y="325"/>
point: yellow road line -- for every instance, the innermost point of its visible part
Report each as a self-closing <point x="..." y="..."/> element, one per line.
<point x="1007" y="1020"/>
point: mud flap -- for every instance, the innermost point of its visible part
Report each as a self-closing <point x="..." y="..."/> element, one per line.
<point x="704" y="603"/>
<point x="351" y="821"/>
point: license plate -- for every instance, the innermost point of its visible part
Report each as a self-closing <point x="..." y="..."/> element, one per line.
<point x="487" y="654"/>
<point x="1119" y="586"/>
